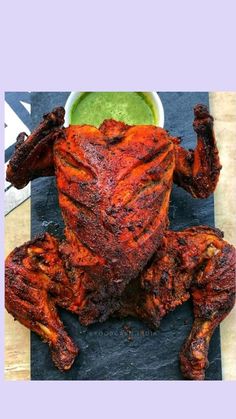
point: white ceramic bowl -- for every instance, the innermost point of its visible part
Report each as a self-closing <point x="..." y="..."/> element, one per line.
<point x="153" y="97"/>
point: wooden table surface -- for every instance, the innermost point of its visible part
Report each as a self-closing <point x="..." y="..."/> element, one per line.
<point x="17" y="231"/>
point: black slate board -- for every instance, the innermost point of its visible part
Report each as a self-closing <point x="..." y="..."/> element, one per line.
<point x="106" y="353"/>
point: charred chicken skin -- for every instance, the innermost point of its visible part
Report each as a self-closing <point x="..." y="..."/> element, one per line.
<point x="118" y="256"/>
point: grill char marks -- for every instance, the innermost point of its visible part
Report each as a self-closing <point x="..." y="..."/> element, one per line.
<point x="117" y="257"/>
<point x="114" y="195"/>
<point x="74" y="169"/>
<point x="33" y="155"/>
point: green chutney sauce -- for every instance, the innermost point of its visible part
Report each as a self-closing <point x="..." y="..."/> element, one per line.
<point x="133" y="108"/>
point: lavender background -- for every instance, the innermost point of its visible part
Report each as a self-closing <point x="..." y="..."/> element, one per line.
<point x="120" y="45"/>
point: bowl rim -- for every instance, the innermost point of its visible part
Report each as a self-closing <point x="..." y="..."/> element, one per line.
<point x="155" y="98"/>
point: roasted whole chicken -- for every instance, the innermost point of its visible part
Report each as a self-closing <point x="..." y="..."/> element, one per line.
<point x="118" y="257"/>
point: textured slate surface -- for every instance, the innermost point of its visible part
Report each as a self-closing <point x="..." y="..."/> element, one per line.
<point x="106" y="353"/>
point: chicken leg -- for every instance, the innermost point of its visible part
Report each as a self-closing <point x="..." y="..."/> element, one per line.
<point x="193" y="263"/>
<point x="35" y="280"/>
